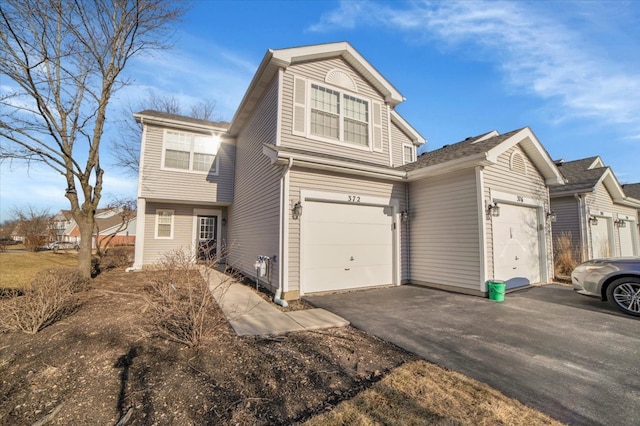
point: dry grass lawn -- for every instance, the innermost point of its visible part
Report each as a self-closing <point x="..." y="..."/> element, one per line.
<point x="17" y="269"/>
<point x="329" y="372"/>
<point x="421" y="393"/>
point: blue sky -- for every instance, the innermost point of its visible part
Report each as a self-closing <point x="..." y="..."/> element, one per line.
<point x="569" y="70"/>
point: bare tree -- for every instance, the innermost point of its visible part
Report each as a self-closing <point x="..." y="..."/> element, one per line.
<point x="63" y="60"/>
<point x="35" y="225"/>
<point x="126" y="146"/>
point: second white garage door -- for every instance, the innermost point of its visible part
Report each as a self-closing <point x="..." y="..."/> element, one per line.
<point x="516" y="252"/>
<point x="627" y="243"/>
<point x="346" y="246"/>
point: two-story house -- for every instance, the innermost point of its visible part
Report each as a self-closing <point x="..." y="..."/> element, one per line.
<point x="318" y="173"/>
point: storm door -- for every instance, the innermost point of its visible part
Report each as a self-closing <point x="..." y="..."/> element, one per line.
<point x="207" y="237"/>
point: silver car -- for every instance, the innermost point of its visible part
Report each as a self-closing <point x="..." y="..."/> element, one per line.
<point x="616" y="280"/>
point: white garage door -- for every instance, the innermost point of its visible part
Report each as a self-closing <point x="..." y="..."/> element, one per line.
<point x="627" y="246"/>
<point x="346" y="246"/>
<point x="600" y="245"/>
<point x="516" y="252"/>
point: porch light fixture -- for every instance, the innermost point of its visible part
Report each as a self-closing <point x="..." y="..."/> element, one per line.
<point x="620" y="223"/>
<point x="404" y="215"/>
<point x="493" y="210"/>
<point x="296" y="211"/>
<point x="224" y="221"/>
<point x="593" y="220"/>
<point x="551" y="216"/>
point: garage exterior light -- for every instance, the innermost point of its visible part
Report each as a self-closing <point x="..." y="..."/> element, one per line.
<point x="620" y="223"/>
<point x="551" y="216"/>
<point x="296" y="211"/>
<point x="493" y="210"/>
<point x="593" y="220"/>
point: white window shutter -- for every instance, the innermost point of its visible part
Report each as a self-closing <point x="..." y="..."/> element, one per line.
<point x="299" y="106"/>
<point x="377" y="126"/>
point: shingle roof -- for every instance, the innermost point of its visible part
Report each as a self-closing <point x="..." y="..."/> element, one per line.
<point x="632" y="190"/>
<point x="465" y="148"/>
<point x="165" y="115"/>
<point x="578" y="176"/>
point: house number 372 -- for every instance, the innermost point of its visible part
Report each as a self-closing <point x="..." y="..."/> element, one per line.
<point x="354" y="198"/>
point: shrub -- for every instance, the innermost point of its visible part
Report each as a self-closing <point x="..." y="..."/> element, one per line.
<point x="566" y="255"/>
<point x="116" y="257"/>
<point x="180" y="303"/>
<point x="49" y="298"/>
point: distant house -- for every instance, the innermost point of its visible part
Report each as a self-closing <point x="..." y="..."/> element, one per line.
<point x="595" y="210"/>
<point x="108" y="221"/>
<point x="632" y="190"/>
<point x="115" y="231"/>
<point x="63" y="224"/>
<point x="317" y="173"/>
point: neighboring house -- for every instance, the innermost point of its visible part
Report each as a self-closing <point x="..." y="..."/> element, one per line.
<point x="63" y="225"/>
<point x="479" y="212"/>
<point x="632" y="190"/>
<point x="594" y="208"/>
<point x="107" y="222"/>
<point x="115" y="231"/>
<point x="318" y="173"/>
<point x="66" y="229"/>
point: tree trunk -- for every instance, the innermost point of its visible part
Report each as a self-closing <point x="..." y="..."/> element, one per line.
<point x="85" y="225"/>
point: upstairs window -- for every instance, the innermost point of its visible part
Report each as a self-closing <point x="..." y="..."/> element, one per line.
<point x="338" y="116"/>
<point x="408" y="153"/>
<point x="190" y="152"/>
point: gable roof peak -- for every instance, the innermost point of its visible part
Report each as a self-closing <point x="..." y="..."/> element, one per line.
<point x="275" y="59"/>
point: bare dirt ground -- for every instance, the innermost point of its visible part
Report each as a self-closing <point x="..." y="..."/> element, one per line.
<point x="97" y="368"/>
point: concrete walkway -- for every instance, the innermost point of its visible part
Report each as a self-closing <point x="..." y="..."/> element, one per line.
<point x="251" y="315"/>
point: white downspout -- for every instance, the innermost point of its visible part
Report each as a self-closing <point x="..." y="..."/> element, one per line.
<point x="284" y="252"/>
<point x="584" y="219"/>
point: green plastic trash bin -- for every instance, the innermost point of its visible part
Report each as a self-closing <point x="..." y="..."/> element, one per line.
<point x="496" y="290"/>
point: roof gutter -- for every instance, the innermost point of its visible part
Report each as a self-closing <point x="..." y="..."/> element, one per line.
<point x="146" y="119"/>
<point x="479" y="159"/>
<point x="571" y="192"/>
<point x="333" y="165"/>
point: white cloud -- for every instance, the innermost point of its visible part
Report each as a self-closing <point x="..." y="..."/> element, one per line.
<point x="546" y="49"/>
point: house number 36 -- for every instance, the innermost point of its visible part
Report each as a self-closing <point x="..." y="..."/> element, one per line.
<point x="354" y="198"/>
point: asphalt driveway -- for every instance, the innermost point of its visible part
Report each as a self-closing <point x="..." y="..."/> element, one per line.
<point x="572" y="357"/>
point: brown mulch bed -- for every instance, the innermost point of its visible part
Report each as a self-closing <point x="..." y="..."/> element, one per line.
<point x="97" y="367"/>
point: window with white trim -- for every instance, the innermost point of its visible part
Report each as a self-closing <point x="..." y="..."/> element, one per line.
<point x="339" y="116"/>
<point x="190" y="152"/>
<point x="408" y="153"/>
<point x="164" y="224"/>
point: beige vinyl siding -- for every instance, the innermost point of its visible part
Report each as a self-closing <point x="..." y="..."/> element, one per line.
<point x="568" y="220"/>
<point x="500" y="177"/>
<point x="444" y="231"/>
<point x="398" y="137"/>
<point x="155" y="249"/>
<point x="157" y="183"/>
<point x="307" y="179"/>
<point x="601" y="202"/>
<point x="317" y="71"/>
<point x="254" y="216"/>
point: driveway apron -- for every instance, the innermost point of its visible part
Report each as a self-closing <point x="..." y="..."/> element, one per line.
<point x="572" y="357"/>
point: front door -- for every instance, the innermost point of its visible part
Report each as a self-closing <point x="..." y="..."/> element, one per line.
<point x="207" y="237"/>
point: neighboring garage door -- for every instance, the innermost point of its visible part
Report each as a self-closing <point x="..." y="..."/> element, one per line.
<point x="516" y="252"/>
<point x="346" y="246"/>
<point x="600" y="241"/>
<point x="627" y="246"/>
